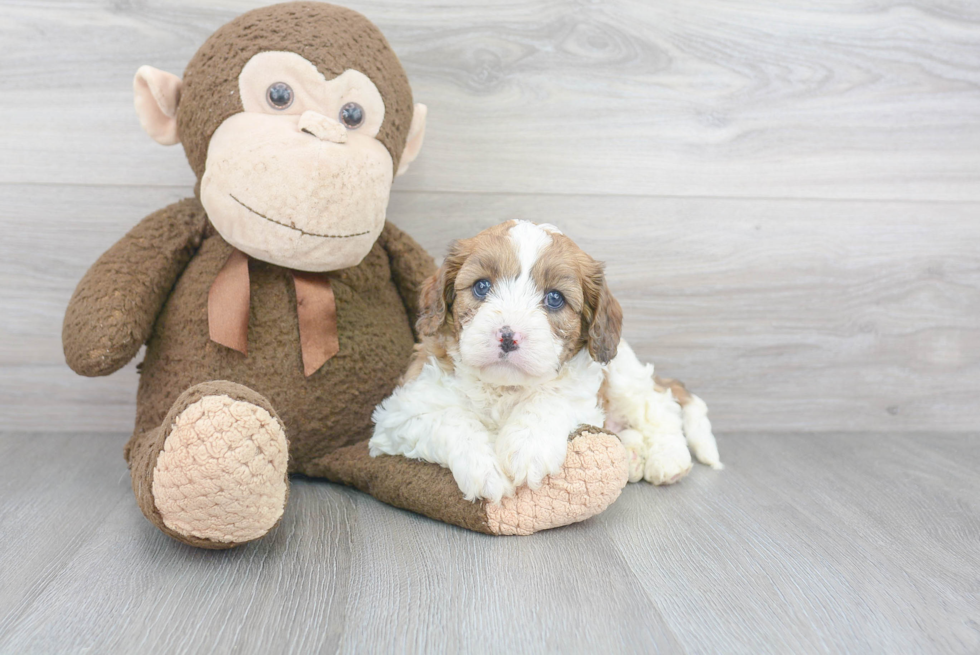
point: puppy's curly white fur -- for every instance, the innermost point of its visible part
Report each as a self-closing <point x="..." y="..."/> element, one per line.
<point x="520" y="346"/>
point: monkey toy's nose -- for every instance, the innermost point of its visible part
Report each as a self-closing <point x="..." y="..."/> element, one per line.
<point x="323" y="128"/>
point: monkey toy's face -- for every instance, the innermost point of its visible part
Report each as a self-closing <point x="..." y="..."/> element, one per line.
<point x="298" y="178"/>
<point x="297" y="172"/>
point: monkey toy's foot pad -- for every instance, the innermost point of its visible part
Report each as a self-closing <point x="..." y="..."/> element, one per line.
<point x="595" y="472"/>
<point x="222" y="473"/>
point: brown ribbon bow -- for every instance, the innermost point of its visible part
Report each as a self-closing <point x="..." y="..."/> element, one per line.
<point x="228" y="305"/>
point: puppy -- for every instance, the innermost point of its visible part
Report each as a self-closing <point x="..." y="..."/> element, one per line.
<point x="520" y="345"/>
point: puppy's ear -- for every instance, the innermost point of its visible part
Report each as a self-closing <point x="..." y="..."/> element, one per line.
<point x="604" y="317"/>
<point x="432" y="304"/>
<point x="438" y="293"/>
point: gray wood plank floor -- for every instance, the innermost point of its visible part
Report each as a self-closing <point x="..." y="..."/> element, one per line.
<point x="771" y="555"/>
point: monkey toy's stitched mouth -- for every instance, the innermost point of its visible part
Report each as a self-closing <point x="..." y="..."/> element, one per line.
<point x="300" y="230"/>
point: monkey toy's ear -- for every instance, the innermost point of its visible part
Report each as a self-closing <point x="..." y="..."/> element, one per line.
<point x="416" y="132"/>
<point x="156" y="96"/>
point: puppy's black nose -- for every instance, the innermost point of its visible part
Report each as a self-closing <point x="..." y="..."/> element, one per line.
<point x="507" y="341"/>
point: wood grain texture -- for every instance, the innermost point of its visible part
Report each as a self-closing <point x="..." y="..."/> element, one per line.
<point x="853" y="543"/>
<point x="871" y="99"/>
<point x="782" y="314"/>
<point x="822" y="537"/>
<point x="710" y="152"/>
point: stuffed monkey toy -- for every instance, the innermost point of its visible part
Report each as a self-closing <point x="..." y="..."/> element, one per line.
<point x="277" y="306"/>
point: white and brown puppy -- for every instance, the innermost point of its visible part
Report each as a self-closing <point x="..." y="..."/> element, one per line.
<point x="520" y="346"/>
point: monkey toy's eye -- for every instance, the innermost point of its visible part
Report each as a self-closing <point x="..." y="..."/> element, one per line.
<point x="481" y="288"/>
<point x="554" y="300"/>
<point x="352" y="115"/>
<point x="279" y="95"/>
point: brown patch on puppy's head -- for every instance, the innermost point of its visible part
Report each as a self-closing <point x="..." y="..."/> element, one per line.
<point x="591" y="316"/>
<point x="517" y="302"/>
<point x="488" y="255"/>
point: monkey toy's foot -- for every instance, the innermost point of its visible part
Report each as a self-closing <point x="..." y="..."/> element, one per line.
<point x="595" y="472"/>
<point x="219" y="478"/>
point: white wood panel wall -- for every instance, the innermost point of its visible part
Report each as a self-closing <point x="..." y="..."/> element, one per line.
<point x="787" y="194"/>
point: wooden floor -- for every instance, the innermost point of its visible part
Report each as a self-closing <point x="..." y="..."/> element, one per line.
<point x="842" y="543"/>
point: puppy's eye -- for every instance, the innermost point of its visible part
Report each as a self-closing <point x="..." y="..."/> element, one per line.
<point x="481" y="288"/>
<point x="554" y="300"/>
<point x="279" y="95"/>
<point x="352" y="115"/>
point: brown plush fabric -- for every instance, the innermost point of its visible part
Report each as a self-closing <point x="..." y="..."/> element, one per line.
<point x="421" y="487"/>
<point x="143" y="453"/>
<point x="330" y="37"/>
<point x="322" y="412"/>
<point x="112" y="311"/>
<point x="594" y="475"/>
<point x="410" y="266"/>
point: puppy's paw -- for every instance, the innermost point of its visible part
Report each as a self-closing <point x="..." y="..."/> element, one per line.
<point x="667" y="461"/>
<point x="528" y="457"/>
<point x="635" y="451"/>
<point x="480" y="476"/>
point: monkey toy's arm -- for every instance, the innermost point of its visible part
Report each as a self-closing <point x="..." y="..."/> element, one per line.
<point x="410" y="266"/>
<point x="112" y="311"/>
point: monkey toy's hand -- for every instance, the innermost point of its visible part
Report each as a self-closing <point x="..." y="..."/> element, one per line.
<point x="112" y="311"/>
